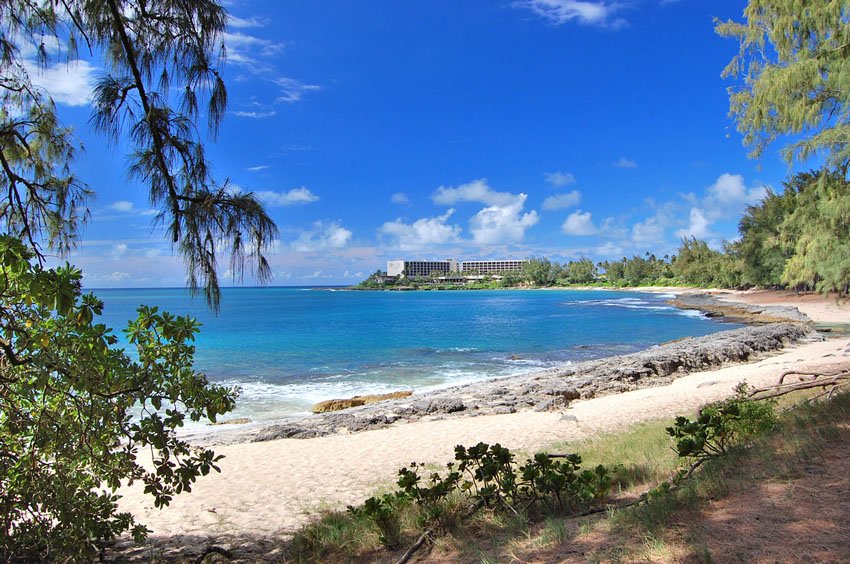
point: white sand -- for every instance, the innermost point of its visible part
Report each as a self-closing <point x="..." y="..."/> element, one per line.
<point x="272" y="488"/>
<point x="820" y="309"/>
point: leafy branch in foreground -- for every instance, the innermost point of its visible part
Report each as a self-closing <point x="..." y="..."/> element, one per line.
<point x="78" y="416"/>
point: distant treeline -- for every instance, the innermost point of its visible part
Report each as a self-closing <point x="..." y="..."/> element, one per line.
<point x="798" y="239"/>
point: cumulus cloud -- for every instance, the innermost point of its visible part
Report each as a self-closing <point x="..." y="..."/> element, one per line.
<point x="648" y="231"/>
<point x="293" y="197"/>
<point x="502" y="223"/>
<point x="579" y="223"/>
<point x="559" y="12"/>
<point x="322" y="235"/>
<point x="729" y="190"/>
<point x="562" y="201"/>
<point x="623" y="162"/>
<point x="558" y="178"/>
<point x="475" y="191"/>
<point x="71" y="84"/>
<point x="400" y="198"/>
<point x="422" y="233"/>
<point x="698" y="225"/>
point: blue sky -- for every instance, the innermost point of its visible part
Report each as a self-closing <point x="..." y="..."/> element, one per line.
<point x="378" y="130"/>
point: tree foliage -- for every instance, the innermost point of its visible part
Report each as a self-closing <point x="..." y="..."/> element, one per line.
<point x="793" y="62"/>
<point x="161" y="60"/>
<point x="818" y="231"/>
<point x="78" y="416"/>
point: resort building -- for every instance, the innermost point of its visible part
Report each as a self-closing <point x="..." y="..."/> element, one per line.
<point x="425" y="268"/>
<point x="492" y="266"/>
<point x="420" y="268"/>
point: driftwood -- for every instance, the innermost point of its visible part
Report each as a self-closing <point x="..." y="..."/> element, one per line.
<point x="829" y="382"/>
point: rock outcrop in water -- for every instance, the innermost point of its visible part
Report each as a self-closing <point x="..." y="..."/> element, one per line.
<point x="551" y="389"/>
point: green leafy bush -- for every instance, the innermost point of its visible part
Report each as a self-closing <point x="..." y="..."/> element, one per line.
<point x="721" y="426"/>
<point x="384" y="513"/>
<point x="76" y="412"/>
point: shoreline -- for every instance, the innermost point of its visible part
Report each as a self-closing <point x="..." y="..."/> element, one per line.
<point x="513" y="393"/>
<point x="267" y="490"/>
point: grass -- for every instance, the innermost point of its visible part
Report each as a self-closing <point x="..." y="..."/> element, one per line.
<point x="640" y="458"/>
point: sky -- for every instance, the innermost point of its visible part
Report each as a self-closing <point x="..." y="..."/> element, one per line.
<point x="400" y="129"/>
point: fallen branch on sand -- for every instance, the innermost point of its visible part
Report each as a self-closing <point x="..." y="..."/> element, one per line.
<point x="828" y="381"/>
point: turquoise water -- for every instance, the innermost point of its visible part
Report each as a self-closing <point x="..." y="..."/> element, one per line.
<point x="289" y="348"/>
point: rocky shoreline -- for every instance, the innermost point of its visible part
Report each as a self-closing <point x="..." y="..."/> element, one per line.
<point x="554" y="389"/>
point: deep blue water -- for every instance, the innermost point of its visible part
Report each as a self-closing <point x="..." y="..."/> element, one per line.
<point x="289" y="348"/>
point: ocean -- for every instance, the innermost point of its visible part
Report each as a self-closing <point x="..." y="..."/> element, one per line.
<point x="289" y="348"/>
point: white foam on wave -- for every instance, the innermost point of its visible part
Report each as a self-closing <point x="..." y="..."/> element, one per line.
<point x="641" y="304"/>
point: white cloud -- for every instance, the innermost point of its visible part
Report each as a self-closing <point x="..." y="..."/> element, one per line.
<point x="293" y="90"/>
<point x="255" y="115"/>
<point x="293" y="197"/>
<point x="243" y="48"/>
<point x="698" y="226"/>
<point x="648" y="231"/>
<point x="119" y="276"/>
<point x="422" y="233"/>
<point x="242" y="23"/>
<point x="625" y="163"/>
<point x="122" y="206"/>
<point x="558" y="12"/>
<point x="257" y="168"/>
<point x="400" y="198"/>
<point x="71" y="84"/>
<point x="502" y="223"/>
<point x="558" y="178"/>
<point x="610" y="249"/>
<point x="475" y="191"/>
<point x="562" y="201"/>
<point x="579" y="223"/>
<point x="119" y="250"/>
<point x="323" y="235"/>
<point x="730" y="190"/>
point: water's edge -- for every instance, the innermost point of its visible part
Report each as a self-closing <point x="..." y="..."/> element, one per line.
<point x="553" y="389"/>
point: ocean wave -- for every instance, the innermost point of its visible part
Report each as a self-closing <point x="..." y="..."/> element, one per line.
<point x="639" y="304"/>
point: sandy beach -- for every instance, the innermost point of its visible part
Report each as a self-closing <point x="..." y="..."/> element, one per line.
<point x="267" y="490"/>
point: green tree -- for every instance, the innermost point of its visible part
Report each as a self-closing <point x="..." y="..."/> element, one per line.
<point x="582" y="271"/>
<point x="793" y="61"/>
<point x="155" y="53"/>
<point x="539" y="272"/>
<point x="818" y="230"/>
<point x="698" y="264"/>
<point x="763" y="250"/>
<point x="614" y="270"/>
<point x="78" y="416"/>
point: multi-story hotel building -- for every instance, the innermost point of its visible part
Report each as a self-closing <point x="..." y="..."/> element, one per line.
<point x="491" y="266"/>
<point x="419" y="268"/>
<point x="423" y="268"/>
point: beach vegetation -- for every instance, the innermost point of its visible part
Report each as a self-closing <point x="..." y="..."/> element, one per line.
<point x="80" y="417"/>
<point x="651" y="485"/>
